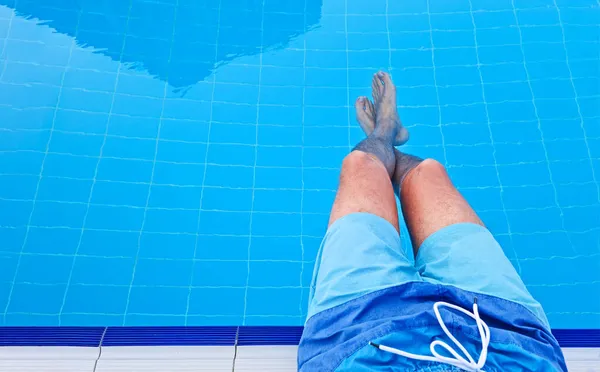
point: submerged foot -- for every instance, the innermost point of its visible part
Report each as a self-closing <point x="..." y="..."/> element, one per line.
<point x="381" y="116"/>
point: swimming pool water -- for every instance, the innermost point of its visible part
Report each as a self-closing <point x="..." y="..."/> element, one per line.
<point x="173" y="162"/>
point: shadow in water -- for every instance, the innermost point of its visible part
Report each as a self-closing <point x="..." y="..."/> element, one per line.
<point x="178" y="41"/>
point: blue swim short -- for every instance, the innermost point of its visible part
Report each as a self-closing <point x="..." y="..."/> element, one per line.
<point x="367" y="287"/>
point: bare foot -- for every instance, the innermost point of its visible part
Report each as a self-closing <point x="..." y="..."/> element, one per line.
<point x="383" y="114"/>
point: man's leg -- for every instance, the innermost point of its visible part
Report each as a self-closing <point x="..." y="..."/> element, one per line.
<point x="365" y="186"/>
<point x="450" y="242"/>
<point x="361" y="251"/>
<point x="430" y="202"/>
<point x="365" y="180"/>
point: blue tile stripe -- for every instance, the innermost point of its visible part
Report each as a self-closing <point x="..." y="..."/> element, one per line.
<point x="201" y="336"/>
<point x="577" y="337"/>
<point x="171" y="336"/>
<point x="269" y="335"/>
<point x="51" y="336"/>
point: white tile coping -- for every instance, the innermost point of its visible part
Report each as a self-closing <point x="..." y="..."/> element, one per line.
<point x="166" y="358"/>
<point x="48" y="358"/>
<point x="48" y="353"/>
<point x="266" y="358"/>
<point x="190" y="358"/>
<point x="582" y="359"/>
<point x="168" y="352"/>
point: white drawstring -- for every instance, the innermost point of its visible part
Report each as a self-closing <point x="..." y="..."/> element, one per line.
<point x="458" y="360"/>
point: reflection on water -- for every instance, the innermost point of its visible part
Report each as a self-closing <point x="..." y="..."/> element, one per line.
<point x="178" y="41"/>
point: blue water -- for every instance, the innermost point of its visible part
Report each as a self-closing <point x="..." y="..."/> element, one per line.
<point x="173" y="162"/>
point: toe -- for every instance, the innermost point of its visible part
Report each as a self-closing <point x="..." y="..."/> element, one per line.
<point x="360" y="102"/>
<point x="360" y="105"/>
<point x="364" y="115"/>
<point x="376" y="87"/>
<point x="386" y="79"/>
<point x="370" y="109"/>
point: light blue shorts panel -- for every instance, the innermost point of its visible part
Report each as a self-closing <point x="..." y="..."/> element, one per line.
<point x="467" y="256"/>
<point x="360" y="253"/>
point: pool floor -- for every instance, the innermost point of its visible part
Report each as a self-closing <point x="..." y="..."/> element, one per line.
<point x="173" y="162"/>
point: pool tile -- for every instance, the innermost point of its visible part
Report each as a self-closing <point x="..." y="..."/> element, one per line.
<point x="279" y="156"/>
<point x="274" y="274"/>
<point x="258" y="298"/>
<point x="227" y="199"/>
<point x="50" y="213"/>
<point x="114" y="217"/>
<point x="280" y="224"/>
<point x="277" y="201"/>
<point x="232" y="247"/>
<point x="52" y="240"/>
<point x="174" y="197"/>
<point x="225" y="222"/>
<point x="171" y="220"/>
<point x="128" y="170"/>
<point x="276" y="248"/>
<point x="180" y="152"/>
<point x="107" y="243"/>
<point x="217" y="301"/>
<point x="49" y="298"/>
<point x="102" y="270"/>
<point x="18" y="186"/>
<point x="119" y="193"/>
<point x="95" y="300"/>
<point x="278" y="135"/>
<point x="129" y="126"/>
<point x="158" y="272"/>
<point x="156" y="300"/>
<point x="45" y="269"/>
<point x="220" y="274"/>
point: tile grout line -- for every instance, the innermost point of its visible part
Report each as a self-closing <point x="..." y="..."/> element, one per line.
<point x="533" y="8"/>
<point x="91" y="192"/>
<point x="250" y="224"/>
<point x="8" y="30"/>
<point x="302" y="192"/>
<point x="283" y="212"/>
<point x="435" y="83"/>
<point x="100" y="348"/>
<point x="489" y="127"/>
<point x="156" y="146"/>
<point x="348" y="121"/>
<point x="576" y="97"/>
<point x="210" y="120"/>
<point x="226" y="123"/>
<point x="235" y="348"/>
<point x="295" y="188"/>
<point x="541" y="132"/>
<point x="326" y="87"/>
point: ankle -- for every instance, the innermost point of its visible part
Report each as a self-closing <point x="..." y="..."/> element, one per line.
<point x="387" y="129"/>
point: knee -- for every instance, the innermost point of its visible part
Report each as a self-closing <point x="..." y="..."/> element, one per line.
<point x="428" y="169"/>
<point x="358" y="161"/>
<point x="432" y="165"/>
